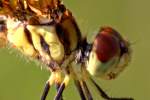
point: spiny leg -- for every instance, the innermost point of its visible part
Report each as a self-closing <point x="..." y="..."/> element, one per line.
<point x="86" y="90"/>
<point x="62" y="86"/>
<point x="121" y="99"/>
<point x="48" y="85"/>
<point x="45" y="92"/>
<point x="57" y="87"/>
<point x="83" y="82"/>
<point x="78" y="84"/>
<point x="83" y="90"/>
<point x="67" y="76"/>
<point x="80" y="90"/>
<point x="58" y="82"/>
<point x="104" y="95"/>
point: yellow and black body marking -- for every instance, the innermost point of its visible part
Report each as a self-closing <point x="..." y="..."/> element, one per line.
<point x="47" y="31"/>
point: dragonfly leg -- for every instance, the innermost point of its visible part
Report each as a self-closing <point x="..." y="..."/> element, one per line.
<point x="47" y="86"/>
<point x="62" y="87"/>
<point x="80" y="90"/>
<point x="81" y="85"/>
<point x="104" y="95"/>
<point x="83" y="82"/>
<point x="86" y="90"/>
<point x="58" y="82"/>
<point x="45" y="92"/>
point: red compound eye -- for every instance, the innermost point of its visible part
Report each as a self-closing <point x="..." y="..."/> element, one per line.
<point x="106" y="44"/>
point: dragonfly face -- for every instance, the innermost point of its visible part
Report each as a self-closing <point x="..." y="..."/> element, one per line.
<point x="46" y="31"/>
<point x="109" y="55"/>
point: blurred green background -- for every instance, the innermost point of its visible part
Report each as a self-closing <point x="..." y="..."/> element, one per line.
<point x="23" y="80"/>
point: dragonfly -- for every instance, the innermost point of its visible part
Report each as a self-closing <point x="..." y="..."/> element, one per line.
<point x="47" y="31"/>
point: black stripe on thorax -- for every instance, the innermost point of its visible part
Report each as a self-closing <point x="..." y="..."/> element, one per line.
<point x="28" y="36"/>
<point x="64" y="35"/>
<point x="63" y="38"/>
<point x="44" y="45"/>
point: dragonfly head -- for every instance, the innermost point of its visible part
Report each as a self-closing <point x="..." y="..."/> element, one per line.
<point x="109" y="55"/>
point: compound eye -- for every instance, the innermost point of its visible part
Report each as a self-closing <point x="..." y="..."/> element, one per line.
<point x="106" y="45"/>
<point x="110" y="54"/>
